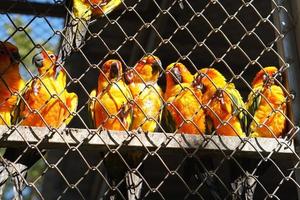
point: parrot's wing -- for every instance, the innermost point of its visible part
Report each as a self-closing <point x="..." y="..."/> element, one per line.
<point x="20" y="105"/>
<point x="168" y="120"/>
<point x="238" y="107"/>
<point x="254" y="100"/>
<point x="209" y="126"/>
<point x="72" y="102"/>
<point x="127" y="110"/>
<point x="91" y="109"/>
<point x="159" y="119"/>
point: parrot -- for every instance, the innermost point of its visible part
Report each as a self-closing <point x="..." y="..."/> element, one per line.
<point x="53" y="112"/>
<point x="147" y="108"/>
<point x="11" y="84"/>
<point x="266" y="105"/>
<point x="11" y="81"/>
<point x="77" y="25"/>
<point x="110" y="108"/>
<point x="146" y="93"/>
<point x="184" y="111"/>
<point x="223" y="103"/>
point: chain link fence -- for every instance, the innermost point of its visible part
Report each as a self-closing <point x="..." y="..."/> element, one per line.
<point x="149" y="99"/>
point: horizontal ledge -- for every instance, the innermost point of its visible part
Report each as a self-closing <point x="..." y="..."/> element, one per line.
<point x="93" y="139"/>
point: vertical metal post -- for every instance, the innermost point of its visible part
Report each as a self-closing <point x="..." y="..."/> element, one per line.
<point x="288" y="48"/>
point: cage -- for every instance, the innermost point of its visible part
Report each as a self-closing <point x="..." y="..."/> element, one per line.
<point x="79" y="160"/>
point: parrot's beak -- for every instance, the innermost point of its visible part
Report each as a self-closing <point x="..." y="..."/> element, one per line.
<point x="37" y="60"/>
<point x="176" y="75"/>
<point x="114" y="70"/>
<point x="15" y="57"/>
<point x="269" y="81"/>
<point x="156" y="67"/>
<point x="219" y="93"/>
<point x="199" y="86"/>
<point x="197" y="83"/>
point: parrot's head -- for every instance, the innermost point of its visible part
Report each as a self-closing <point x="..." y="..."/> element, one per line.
<point x="266" y="76"/>
<point x="101" y="7"/>
<point x="9" y="56"/>
<point x="146" y="70"/>
<point x="111" y="70"/>
<point x="45" y="62"/>
<point x="177" y="73"/>
<point x="209" y="79"/>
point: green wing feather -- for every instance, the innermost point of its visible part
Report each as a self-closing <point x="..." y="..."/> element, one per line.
<point x="254" y="100"/>
<point x="91" y="109"/>
<point x="168" y="120"/>
<point x="20" y="105"/>
<point x="209" y="126"/>
<point x="159" y="119"/>
<point x="238" y="106"/>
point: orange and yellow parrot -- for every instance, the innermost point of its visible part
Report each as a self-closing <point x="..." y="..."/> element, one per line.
<point x="266" y="105"/>
<point x="11" y="88"/>
<point x="223" y="103"/>
<point x="147" y="109"/>
<point x="110" y="107"/>
<point x="55" y="112"/>
<point x="147" y="94"/>
<point x="77" y="26"/>
<point x="10" y="81"/>
<point x="184" y="112"/>
<point x="39" y="107"/>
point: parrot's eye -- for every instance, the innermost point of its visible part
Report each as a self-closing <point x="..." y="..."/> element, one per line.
<point x="142" y="62"/>
<point x="201" y="75"/>
<point x="52" y="56"/>
<point x="265" y="77"/>
<point x="176" y="74"/>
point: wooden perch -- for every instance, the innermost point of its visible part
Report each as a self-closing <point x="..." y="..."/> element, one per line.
<point x="103" y="140"/>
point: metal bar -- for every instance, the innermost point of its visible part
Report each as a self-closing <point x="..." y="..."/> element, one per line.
<point x="288" y="48"/>
<point x="94" y="139"/>
<point x="33" y="8"/>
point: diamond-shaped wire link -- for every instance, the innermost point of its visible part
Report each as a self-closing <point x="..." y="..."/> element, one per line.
<point x="76" y="80"/>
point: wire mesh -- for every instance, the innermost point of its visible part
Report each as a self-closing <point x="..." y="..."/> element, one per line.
<point x="147" y="100"/>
